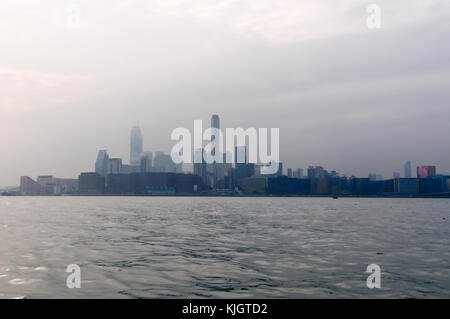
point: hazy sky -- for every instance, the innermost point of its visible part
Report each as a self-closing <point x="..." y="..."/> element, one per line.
<point x="344" y="96"/>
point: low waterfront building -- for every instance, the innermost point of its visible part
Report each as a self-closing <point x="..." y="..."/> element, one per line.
<point x="48" y="185"/>
<point x="388" y="186"/>
<point x="91" y="184"/>
<point x="284" y="185"/>
<point x="430" y="185"/>
<point x="406" y="186"/>
<point x="253" y="185"/>
<point x="361" y="186"/>
<point x="151" y="182"/>
<point x="30" y="187"/>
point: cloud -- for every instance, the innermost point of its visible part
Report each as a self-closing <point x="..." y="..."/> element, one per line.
<point x="25" y="90"/>
<point x="352" y="99"/>
<point x="286" y="21"/>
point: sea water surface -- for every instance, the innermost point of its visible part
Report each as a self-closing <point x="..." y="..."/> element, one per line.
<point x="197" y="247"/>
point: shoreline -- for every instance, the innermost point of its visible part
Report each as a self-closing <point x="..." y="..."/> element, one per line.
<point x="436" y="196"/>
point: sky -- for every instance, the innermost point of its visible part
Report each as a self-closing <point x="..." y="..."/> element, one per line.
<point x="351" y="98"/>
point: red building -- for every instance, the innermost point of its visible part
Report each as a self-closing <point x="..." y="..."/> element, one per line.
<point x="426" y="171"/>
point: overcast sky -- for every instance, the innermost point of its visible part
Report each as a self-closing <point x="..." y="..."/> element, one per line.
<point x="349" y="98"/>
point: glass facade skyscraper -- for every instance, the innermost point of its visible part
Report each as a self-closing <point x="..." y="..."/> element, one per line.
<point x="136" y="146"/>
<point x="408" y="173"/>
<point x="101" y="164"/>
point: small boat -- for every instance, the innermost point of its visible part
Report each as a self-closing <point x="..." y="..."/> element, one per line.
<point x="335" y="197"/>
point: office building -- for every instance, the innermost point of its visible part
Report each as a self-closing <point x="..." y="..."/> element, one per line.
<point x="30" y="187"/>
<point x="163" y="163"/>
<point x="363" y="186"/>
<point x="426" y="171"/>
<point x="101" y="164"/>
<point x="289" y="173"/>
<point x="283" y="185"/>
<point x="316" y="172"/>
<point x="430" y="185"/>
<point x="114" y="166"/>
<point x="298" y="173"/>
<point x="408" y="172"/>
<point x="91" y="184"/>
<point x="406" y="186"/>
<point x="240" y="160"/>
<point x="253" y="185"/>
<point x="146" y="162"/>
<point x="215" y="124"/>
<point x="444" y="180"/>
<point x="136" y="146"/>
<point x="388" y="186"/>
<point x="57" y="186"/>
<point x="200" y="167"/>
<point x="152" y="183"/>
<point x="44" y="180"/>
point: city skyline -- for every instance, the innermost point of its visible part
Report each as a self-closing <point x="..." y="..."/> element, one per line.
<point x="137" y="155"/>
<point x="219" y="175"/>
<point x="104" y="164"/>
<point x="345" y="97"/>
<point x="144" y="161"/>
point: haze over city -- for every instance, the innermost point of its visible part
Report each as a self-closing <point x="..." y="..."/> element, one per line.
<point x="238" y="157"/>
<point x="346" y="97"/>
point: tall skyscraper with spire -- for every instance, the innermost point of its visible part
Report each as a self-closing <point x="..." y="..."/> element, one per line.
<point x="408" y="169"/>
<point x="214" y="168"/>
<point x="135" y="146"/>
<point x="215" y="123"/>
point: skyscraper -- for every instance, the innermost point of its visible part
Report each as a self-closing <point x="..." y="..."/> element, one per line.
<point x="298" y="173"/>
<point x="135" y="146"/>
<point x="240" y="163"/>
<point x="289" y="172"/>
<point x="200" y="165"/>
<point x="214" y="169"/>
<point x="101" y="164"/>
<point x="146" y="162"/>
<point x="315" y="172"/>
<point x="163" y="163"/>
<point x="408" y="169"/>
<point x="215" y="123"/>
<point x="114" y="166"/>
<point x="426" y="171"/>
